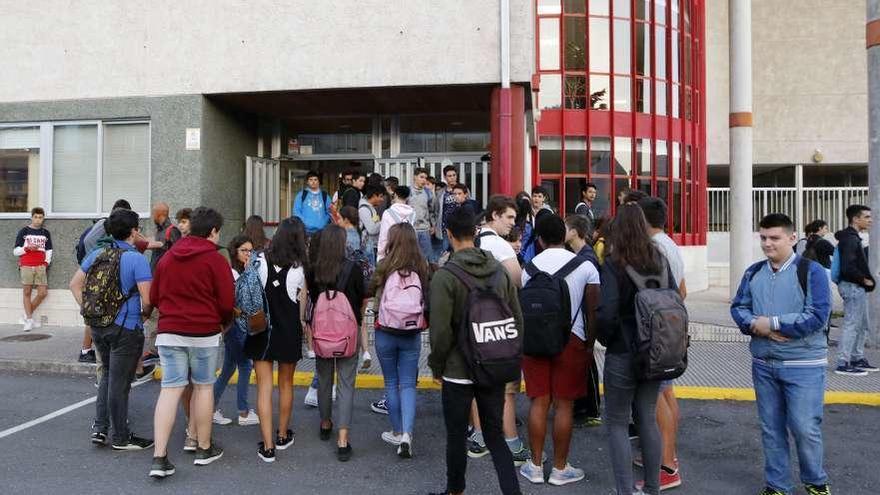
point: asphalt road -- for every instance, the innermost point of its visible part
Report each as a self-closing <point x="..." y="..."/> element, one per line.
<point x="719" y="450"/>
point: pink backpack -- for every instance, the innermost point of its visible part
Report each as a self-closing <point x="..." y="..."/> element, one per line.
<point x="334" y="325"/>
<point x="403" y="303"/>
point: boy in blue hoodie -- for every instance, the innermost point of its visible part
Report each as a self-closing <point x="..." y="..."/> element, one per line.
<point x="784" y="302"/>
<point x="312" y="205"/>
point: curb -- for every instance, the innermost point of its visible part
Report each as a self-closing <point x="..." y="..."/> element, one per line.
<point x="49" y="367"/>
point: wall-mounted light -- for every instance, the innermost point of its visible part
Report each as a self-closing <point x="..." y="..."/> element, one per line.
<point x="818" y="156"/>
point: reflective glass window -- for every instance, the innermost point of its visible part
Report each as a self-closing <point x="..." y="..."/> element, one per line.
<point x="660" y="44"/>
<point x="622" y="94"/>
<point x="676" y="160"/>
<point x="575" y="155"/>
<point x="600" y="155"/>
<point x="675" y="73"/>
<point x="643" y="10"/>
<point x="660" y="11"/>
<point x="661" y="98"/>
<point x="600" y="56"/>
<point x="643" y="49"/>
<point x="599" y="7"/>
<point x="550" y="95"/>
<point x="549" y="7"/>
<point x="622" y="46"/>
<point x="574" y="6"/>
<point x="576" y="92"/>
<point x="643" y="95"/>
<point x="643" y="156"/>
<point x="550" y="155"/>
<point x="575" y="43"/>
<point x="662" y="159"/>
<point x="600" y="92"/>
<point x="621" y="8"/>
<point x="549" y="43"/>
<point x="622" y="156"/>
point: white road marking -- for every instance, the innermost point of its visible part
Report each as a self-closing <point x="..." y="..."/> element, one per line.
<point x="55" y="414"/>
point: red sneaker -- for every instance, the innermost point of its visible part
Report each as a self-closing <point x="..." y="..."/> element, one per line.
<point x="669" y="480"/>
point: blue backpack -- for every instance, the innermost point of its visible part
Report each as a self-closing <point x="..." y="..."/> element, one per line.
<point x="250" y="299"/>
<point x="835" y="266"/>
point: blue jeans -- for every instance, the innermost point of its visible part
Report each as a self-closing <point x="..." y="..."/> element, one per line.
<point x="855" y="322"/>
<point x="399" y="357"/>
<point x="182" y="365"/>
<point x="233" y="357"/>
<point x="424" y="238"/>
<point x="790" y="399"/>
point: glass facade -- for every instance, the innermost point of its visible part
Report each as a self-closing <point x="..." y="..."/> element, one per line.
<point x="621" y="94"/>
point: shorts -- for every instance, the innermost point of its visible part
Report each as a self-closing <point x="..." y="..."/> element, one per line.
<point x="561" y="377"/>
<point x="182" y="365"/>
<point x="34" y="275"/>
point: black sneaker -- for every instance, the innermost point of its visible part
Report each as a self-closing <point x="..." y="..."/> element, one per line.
<point x="267" y="455"/>
<point x="343" y="453"/>
<point x="99" y="438"/>
<point x="161" y="467"/>
<point x="324" y="433"/>
<point x="864" y="365"/>
<point x="476" y="450"/>
<point x="379" y="406"/>
<point x="283" y="443"/>
<point x="134" y="443"/>
<point x="145" y="375"/>
<point x="817" y="489"/>
<point x="847" y="369"/>
<point x="88" y="357"/>
<point x="771" y="491"/>
<point x="207" y="456"/>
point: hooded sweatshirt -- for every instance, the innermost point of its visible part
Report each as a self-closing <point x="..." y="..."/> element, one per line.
<point x="369" y="222"/>
<point x="398" y="213"/>
<point x="421" y="201"/>
<point x="313" y="209"/>
<point x="193" y="289"/>
<point x="448" y="296"/>
<point x="853" y="258"/>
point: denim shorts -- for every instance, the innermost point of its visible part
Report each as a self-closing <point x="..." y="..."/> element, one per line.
<point x="180" y="365"/>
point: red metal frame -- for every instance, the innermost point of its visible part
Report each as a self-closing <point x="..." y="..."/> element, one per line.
<point x="611" y="124"/>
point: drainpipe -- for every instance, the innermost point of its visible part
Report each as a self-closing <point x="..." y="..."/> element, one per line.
<point x="505" y="141"/>
<point x="873" y="47"/>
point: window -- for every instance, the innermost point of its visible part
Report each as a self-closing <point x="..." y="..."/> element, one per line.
<point x="622" y="94"/>
<point x="598" y="7"/>
<point x="75" y="169"/>
<point x="576" y="92"/>
<point x="549" y="43"/>
<point x="123" y="174"/>
<point x="622" y="46"/>
<point x="19" y="169"/>
<point x="575" y="155"/>
<point x="600" y="56"/>
<point x="575" y="43"/>
<point x="551" y="155"/>
<point x="600" y="92"/>
<point x="550" y="94"/>
<point x="549" y="7"/>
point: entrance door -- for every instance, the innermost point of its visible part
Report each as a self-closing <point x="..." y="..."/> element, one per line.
<point x="262" y="188"/>
<point x="472" y="171"/>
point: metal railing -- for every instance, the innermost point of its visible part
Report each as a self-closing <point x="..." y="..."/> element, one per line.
<point x="826" y="203"/>
<point x="472" y="172"/>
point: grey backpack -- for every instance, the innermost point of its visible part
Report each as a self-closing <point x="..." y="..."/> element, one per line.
<point x="661" y="342"/>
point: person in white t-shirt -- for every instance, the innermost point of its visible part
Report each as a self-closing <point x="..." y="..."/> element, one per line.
<point x="667" y="405"/>
<point x="561" y="379"/>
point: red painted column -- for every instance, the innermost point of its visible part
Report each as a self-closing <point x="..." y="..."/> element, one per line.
<point x="507" y="127"/>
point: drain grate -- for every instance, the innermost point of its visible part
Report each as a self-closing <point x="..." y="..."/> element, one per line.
<point x="25" y="337"/>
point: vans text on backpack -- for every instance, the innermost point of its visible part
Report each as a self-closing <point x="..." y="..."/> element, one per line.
<point x="402" y="306"/>
<point x="546" y="307"/>
<point x="488" y="337"/>
<point x="102" y="291"/>
<point x="333" y="322"/>
<point x="662" y="339"/>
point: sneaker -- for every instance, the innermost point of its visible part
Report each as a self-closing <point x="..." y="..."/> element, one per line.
<point x="633" y="432"/>
<point x="133" y="443"/>
<point x="817" y="489"/>
<point x="145" y="375"/>
<point x="220" y="419"/>
<point x="207" y="456"/>
<point x="390" y="437"/>
<point x="476" y="450"/>
<point x="669" y="479"/>
<point x="250" y="419"/>
<point x="520" y="458"/>
<point x="863" y="365"/>
<point x="343" y="453"/>
<point x="267" y="455"/>
<point x="848" y="370"/>
<point x="564" y="476"/>
<point x="36" y="323"/>
<point x="28" y="325"/>
<point x="311" y="399"/>
<point x="150" y="358"/>
<point x="99" y="438"/>
<point x="533" y="473"/>
<point x="190" y="444"/>
<point x="310" y="354"/>
<point x="283" y="443"/>
<point x="771" y="491"/>
<point x="88" y="357"/>
<point x="404" y="450"/>
<point x="379" y="406"/>
<point x="161" y="467"/>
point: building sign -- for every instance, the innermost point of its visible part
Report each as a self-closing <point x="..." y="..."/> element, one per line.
<point x="193" y="138"/>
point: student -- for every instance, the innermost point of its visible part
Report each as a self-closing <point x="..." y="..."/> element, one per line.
<point x="789" y="354"/>
<point x="119" y="344"/>
<point x="352" y="195"/>
<point x="397" y="213"/>
<point x="193" y="291"/>
<point x="181" y="229"/>
<point x="390" y="184"/>
<point x="559" y="380"/>
<point x="816" y="247"/>
<point x="343" y="183"/>
<point x="162" y="223"/>
<point x="348" y="220"/>
<point x="855" y="283"/>
<point x="421" y="199"/>
<point x="282" y="276"/>
<point x="600" y="237"/>
<point x="312" y="205"/>
<point x="462" y="197"/>
<point x="240" y="249"/>
<point x="444" y="205"/>
<point x="370" y="221"/>
<point x="398" y="349"/>
<point x="588" y="196"/>
<point x="330" y="271"/>
<point x="255" y="230"/>
<point x="525" y="222"/>
<point x="448" y="365"/>
<point x="539" y="200"/>
<point x="616" y="327"/>
<point x="33" y="246"/>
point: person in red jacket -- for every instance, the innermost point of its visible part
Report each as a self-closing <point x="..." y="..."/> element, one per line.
<point x="193" y="290"/>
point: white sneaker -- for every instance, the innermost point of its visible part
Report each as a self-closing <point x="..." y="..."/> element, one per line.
<point x="28" y="324"/>
<point x="565" y="476"/>
<point x="533" y="473"/>
<point x="36" y="323"/>
<point x="391" y="438"/>
<point x="310" y="354"/>
<point x="404" y="450"/>
<point x="250" y="419"/>
<point x="220" y="419"/>
<point x="311" y="399"/>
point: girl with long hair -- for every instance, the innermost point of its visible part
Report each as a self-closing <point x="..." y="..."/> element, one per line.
<point x="282" y="273"/>
<point x="330" y="270"/>
<point x="398" y="349"/>
<point x="239" y="250"/>
<point x="255" y="229"/>
<point x="631" y="246"/>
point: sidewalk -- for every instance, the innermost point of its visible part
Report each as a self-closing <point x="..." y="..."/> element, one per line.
<point x="719" y="367"/>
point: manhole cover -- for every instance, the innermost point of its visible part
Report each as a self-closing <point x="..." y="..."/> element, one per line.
<point x="25" y="337"/>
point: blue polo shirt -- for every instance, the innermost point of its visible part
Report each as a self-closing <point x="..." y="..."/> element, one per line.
<point x="133" y="268"/>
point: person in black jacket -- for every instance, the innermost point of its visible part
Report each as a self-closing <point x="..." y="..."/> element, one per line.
<point x="630" y="246"/>
<point x="855" y="282"/>
<point x="818" y="248"/>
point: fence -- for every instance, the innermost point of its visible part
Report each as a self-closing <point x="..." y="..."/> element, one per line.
<point x="826" y="203"/>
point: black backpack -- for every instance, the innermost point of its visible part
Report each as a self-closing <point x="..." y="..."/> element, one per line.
<point x="324" y="196"/>
<point x="803" y="270"/>
<point x="546" y="307"/>
<point x="488" y="337"/>
<point x="485" y="233"/>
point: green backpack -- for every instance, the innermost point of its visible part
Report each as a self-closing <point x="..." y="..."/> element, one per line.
<point x="102" y="292"/>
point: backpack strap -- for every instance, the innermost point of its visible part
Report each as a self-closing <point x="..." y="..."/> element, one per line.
<point x="569" y="267"/>
<point x="641" y="281"/>
<point x="531" y="269"/>
<point x="803" y="273"/>
<point x="461" y="275"/>
<point x="344" y="275"/>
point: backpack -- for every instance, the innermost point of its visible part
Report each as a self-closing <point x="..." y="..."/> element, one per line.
<point x="362" y="262"/>
<point x="250" y="299"/>
<point x="487" y="336"/>
<point x="835" y="266"/>
<point x="334" y="325"/>
<point x="486" y="233"/>
<point x="803" y="270"/>
<point x="546" y="308"/>
<point x="324" y="196"/>
<point x="661" y="340"/>
<point x="102" y="295"/>
<point x="403" y="303"/>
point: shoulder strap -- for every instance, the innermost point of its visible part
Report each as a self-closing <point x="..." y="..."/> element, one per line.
<point x="486" y="233"/>
<point x="641" y="281"/>
<point x="461" y="275"/>
<point x="803" y="272"/>
<point x="344" y="274"/>
<point x="324" y="196"/>
<point x="569" y="267"/>
<point x="531" y="269"/>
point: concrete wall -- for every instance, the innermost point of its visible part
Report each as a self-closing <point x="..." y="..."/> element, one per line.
<point x="112" y="49"/>
<point x="810" y="81"/>
<point x="695" y="275"/>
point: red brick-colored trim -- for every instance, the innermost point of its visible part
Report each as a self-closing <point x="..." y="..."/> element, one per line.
<point x="872" y="33"/>
<point x="741" y="119"/>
